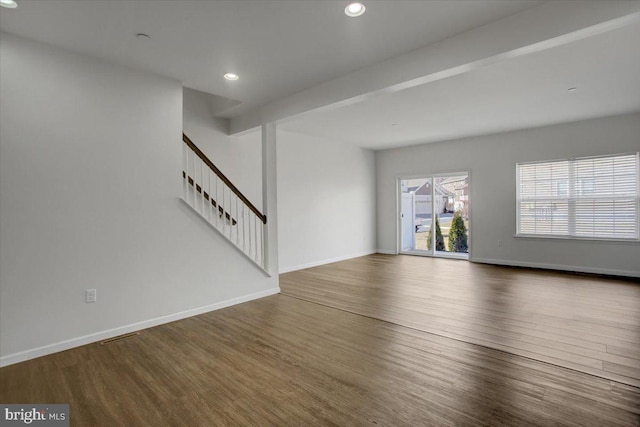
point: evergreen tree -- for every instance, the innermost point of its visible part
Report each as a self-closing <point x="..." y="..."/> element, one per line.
<point x="439" y="237"/>
<point x="458" y="234"/>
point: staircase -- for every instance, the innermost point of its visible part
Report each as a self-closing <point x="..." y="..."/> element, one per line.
<point x="210" y="193"/>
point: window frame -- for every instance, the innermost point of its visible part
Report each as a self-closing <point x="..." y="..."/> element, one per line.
<point x="571" y="201"/>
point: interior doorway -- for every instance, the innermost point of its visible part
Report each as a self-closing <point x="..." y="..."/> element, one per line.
<point x="434" y="215"/>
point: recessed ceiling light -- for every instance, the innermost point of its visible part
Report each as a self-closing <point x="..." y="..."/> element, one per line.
<point x="354" y="9"/>
<point x="231" y="76"/>
<point x="572" y="89"/>
<point x="10" y="4"/>
<point x="395" y="124"/>
<point x="142" y="36"/>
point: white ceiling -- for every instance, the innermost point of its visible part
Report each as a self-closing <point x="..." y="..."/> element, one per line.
<point x="522" y="92"/>
<point x="277" y="47"/>
<point x="287" y="50"/>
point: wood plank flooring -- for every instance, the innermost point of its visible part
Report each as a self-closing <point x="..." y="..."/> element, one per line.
<point x="284" y="361"/>
<point x="587" y="323"/>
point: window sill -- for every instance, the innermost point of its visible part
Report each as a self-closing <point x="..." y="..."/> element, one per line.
<point x="577" y="239"/>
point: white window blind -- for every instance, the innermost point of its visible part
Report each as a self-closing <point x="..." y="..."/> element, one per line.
<point x="595" y="197"/>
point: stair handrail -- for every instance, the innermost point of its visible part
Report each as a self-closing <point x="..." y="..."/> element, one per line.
<point x="224" y="179"/>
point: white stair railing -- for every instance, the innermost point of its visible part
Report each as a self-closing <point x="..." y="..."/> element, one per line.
<point x="210" y="193"/>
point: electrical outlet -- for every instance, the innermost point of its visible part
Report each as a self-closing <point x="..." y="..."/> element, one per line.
<point x="90" y="295"/>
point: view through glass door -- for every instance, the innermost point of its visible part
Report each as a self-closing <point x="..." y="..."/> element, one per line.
<point x="435" y="215"/>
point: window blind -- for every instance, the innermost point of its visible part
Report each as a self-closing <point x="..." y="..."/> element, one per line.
<point x="594" y="197"/>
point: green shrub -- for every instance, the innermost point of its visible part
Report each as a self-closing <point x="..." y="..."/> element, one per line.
<point x="458" y="234"/>
<point x="439" y="237"/>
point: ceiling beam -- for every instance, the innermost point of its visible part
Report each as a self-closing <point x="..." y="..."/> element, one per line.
<point x="548" y="25"/>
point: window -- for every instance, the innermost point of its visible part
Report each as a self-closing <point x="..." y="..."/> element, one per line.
<point x="590" y="197"/>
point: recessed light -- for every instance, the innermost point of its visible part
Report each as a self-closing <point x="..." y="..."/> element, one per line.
<point x="231" y="76"/>
<point x="142" y="36"/>
<point x="354" y="9"/>
<point x="395" y="124"/>
<point x="9" y="4"/>
<point x="572" y="89"/>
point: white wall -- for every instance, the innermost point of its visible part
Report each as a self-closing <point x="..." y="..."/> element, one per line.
<point x="491" y="161"/>
<point x="238" y="157"/>
<point x="326" y="201"/>
<point x="90" y="162"/>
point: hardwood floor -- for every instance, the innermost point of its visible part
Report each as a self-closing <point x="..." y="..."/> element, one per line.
<point x="587" y="323"/>
<point x="284" y="361"/>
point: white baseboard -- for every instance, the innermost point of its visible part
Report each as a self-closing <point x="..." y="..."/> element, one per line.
<point x="325" y="261"/>
<point x="386" y="251"/>
<point x="571" y="268"/>
<point x="10" y="359"/>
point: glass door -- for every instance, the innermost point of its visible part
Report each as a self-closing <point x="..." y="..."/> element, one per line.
<point x="434" y="215"/>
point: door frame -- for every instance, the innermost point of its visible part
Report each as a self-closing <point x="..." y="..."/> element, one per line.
<point x="434" y="253"/>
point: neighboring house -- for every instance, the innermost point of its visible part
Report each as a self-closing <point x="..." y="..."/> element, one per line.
<point x="444" y="199"/>
<point x="409" y="185"/>
<point x="459" y="185"/>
